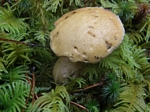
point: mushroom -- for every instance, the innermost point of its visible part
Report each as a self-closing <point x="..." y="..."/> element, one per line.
<point x="86" y="35"/>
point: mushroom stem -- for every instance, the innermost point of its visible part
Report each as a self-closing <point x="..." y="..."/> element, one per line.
<point x="64" y="68"/>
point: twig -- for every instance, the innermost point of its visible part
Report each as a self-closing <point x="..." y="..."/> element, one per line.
<point x="33" y="86"/>
<point x="14" y="41"/>
<point x="80" y="106"/>
<point x="20" y="42"/>
<point x="89" y="87"/>
<point x="29" y="81"/>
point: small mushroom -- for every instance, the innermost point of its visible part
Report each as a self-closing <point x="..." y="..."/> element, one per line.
<point x="86" y="34"/>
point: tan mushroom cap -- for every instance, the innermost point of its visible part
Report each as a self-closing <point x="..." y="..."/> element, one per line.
<point x="87" y="34"/>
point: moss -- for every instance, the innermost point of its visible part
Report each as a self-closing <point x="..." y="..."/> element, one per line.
<point x="26" y="63"/>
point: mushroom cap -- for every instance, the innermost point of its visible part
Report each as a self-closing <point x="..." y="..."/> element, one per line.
<point x="87" y="34"/>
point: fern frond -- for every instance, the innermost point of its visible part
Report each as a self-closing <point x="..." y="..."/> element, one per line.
<point x="92" y="72"/>
<point x="146" y="74"/>
<point x="52" y="5"/>
<point x="23" y="5"/>
<point x="126" y="10"/>
<point x="93" y="106"/>
<point x="13" y="97"/>
<point x="14" y="74"/>
<point x="9" y="23"/>
<point x="2" y="67"/>
<point x="110" y="92"/>
<point x="108" y="4"/>
<point x="80" y="81"/>
<point x="127" y="50"/>
<point x="55" y="101"/>
<point x="131" y="99"/>
<point x="147" y="81"/>
<point x="117" y="65"/>
<point x="42" y="36"/>
<point x="137" y="36"/>
<point x="146" y="29"/>
<point x="111" y="89"/>
<point x="16" y="52"/>
<point x="148" y="107"/>
<point x="43" y="55"/>
<point x="77" y="2"/>
<point x="75" y="83"/>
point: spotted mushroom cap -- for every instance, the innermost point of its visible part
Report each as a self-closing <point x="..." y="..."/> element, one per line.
<point x="87" y="34"/>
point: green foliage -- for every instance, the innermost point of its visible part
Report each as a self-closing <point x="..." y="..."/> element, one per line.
<point x="55" y="101"/>
<point x="126" y="10"/>
<point x="111" y="90"/>
<point x="92" y="72"/>
<point x="15" y="74"/>
<point x="141" y="34"/>
<point x="2" y="67"/>
<point x="9" y="23"/>
<point x="52" y="5"/>
<point x="109" y="4"/>
<point x="41" y="36"/>
<point x="131" y="99"/>
<point x="16" y="53"/>
<point x="75" y="83"/>
<point x="13" y="96"/>
<point x="118" y="83"/>
<point x="146" y="28"/>
<point x="93" y="106"/>
<point x="128" y="61"/>
<point x="77" y="2"/>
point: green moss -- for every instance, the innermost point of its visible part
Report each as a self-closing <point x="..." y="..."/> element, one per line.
<point x="118" y="83"/>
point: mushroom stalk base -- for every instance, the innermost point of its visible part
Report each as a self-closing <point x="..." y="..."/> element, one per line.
<point x="64" y="68"/>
